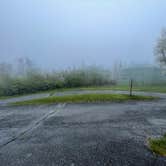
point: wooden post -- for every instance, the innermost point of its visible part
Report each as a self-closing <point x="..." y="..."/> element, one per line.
<point x="131" y="87"/>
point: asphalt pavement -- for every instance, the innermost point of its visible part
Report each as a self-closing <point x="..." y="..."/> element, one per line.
<point x="101" y="134"/>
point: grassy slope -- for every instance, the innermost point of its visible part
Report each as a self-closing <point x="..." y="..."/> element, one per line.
<point x="158" y="145"/>
<point x="84" y="98"/>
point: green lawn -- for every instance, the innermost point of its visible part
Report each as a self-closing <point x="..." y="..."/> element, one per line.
<point x="158" y="145"/>
<point x="160" y="89"/>
<point x="84" y="98"/>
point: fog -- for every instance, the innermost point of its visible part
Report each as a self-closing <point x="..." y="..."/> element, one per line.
<point x="58" y="34"/>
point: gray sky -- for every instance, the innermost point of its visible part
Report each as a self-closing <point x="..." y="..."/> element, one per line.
<point x="63" y="33"/>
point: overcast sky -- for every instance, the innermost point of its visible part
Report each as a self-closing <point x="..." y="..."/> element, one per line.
<point x="63" y="33"/>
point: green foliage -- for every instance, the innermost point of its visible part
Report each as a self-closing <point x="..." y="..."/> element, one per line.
<point x="36" y="81"/>
<point x="160" y="49"/>
<point x="84" y="98"/>
<point x="158" y="145"/>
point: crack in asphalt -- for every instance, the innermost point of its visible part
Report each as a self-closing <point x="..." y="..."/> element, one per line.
<point x="34" y="125"/>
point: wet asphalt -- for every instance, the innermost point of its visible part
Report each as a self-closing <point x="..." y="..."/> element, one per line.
<point x="96" y="134"/>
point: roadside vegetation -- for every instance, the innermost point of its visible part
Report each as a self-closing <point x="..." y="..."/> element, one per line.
<point x="37" y="81"/>
<point x="158" y="145"/>
<point x="84" y="98"/>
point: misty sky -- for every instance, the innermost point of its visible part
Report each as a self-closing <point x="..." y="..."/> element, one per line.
<point x="63" y="33"/>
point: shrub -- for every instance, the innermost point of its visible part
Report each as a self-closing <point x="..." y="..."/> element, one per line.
<point x="38" y="81"/>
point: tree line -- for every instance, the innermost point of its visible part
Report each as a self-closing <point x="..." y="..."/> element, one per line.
<point x="32" y="79"/>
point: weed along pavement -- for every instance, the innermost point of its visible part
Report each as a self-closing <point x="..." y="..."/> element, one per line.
<point x="92" y="134"/>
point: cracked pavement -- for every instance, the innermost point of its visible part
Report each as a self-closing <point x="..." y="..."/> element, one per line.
<point x="103" y="134"/>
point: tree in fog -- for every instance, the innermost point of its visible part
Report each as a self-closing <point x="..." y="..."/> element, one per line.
<point x="116" y="70"/>
<point x="160" y="50"/>
<point x="25" y="66"/>
<point x="5" y="68"/>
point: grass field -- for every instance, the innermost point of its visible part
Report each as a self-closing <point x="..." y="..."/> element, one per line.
<point x="84" y="98"/>
<point x="161" y="89"/>
<point x="158" y="145"/>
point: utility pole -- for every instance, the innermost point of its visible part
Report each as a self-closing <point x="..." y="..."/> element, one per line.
<point x="131" y="87"/>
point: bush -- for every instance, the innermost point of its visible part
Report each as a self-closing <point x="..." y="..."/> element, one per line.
<point x="37" y="81"/>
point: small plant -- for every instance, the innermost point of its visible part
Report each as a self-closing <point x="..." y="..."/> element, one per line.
<point x="158" y="145"/>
